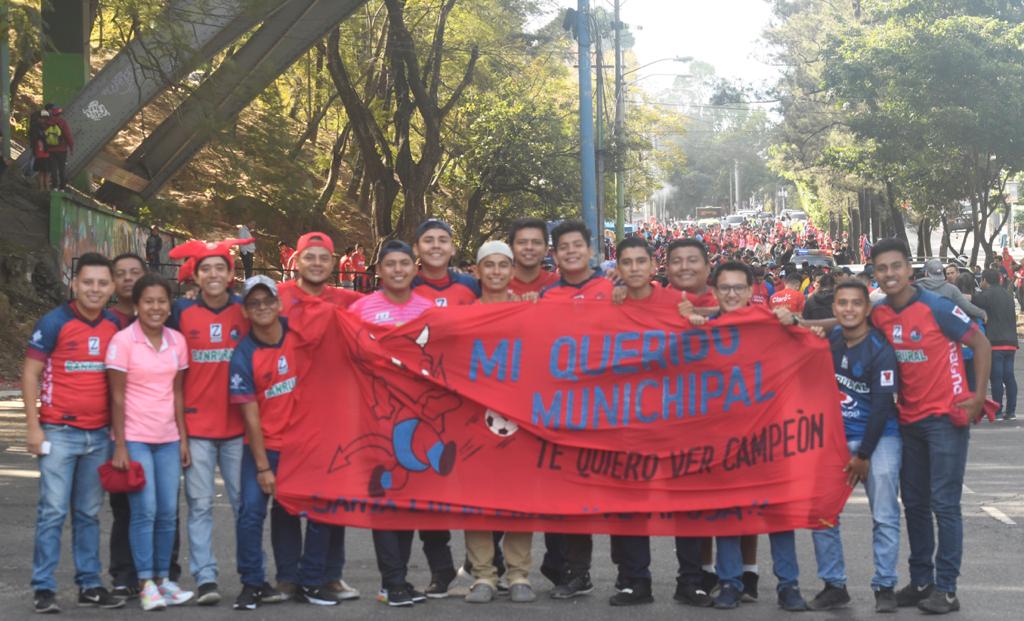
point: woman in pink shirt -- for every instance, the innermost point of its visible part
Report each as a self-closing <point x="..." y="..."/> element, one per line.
<point x="145" y="366"/>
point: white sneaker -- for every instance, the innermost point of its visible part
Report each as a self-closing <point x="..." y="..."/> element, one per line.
<point x="173" y="594"/>
<point x="150" y="597"/>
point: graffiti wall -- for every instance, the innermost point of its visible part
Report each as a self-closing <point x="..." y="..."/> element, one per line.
<point x="77" y="227"/>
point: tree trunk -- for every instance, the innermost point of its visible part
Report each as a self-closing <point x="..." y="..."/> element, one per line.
<point x="337" y="157"/>
<point x="895" y="212"/>
<point x="946" y="244"/>
<point x="854" y="226"/>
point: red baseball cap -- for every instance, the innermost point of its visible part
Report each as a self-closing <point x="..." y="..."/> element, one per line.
<point x="314" y="239"/>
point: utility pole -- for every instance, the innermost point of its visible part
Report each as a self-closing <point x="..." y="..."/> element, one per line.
<point x="5" y="81"/>
<point x="588" y="168"/>
<point x="599" y="148"/>
<point x="736" y="174"/>
<point x="620" y="112"/>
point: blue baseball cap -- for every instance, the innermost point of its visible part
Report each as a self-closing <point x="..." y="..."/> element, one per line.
<point x="432" y="223"/>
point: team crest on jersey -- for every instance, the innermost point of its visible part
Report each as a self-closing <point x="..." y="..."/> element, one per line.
<point x="94" y="346"/>
<point x="234" y="333"/>
<point x="897" y="334"/>
<point x="382" y="316"/>
<point x="959" y="312"/>
<point x="236" y="382"/>
<point x="845" y="364"/>
<point x="915" y="336"/>
<point x="37" y="337"/>
<point x="441" y="302"/>
<point x="216" y="333"/>
<point x="887" y="378"/>
<point x="282" y="365"/>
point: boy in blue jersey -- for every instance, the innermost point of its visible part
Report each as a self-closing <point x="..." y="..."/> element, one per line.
<point x="866" y="371"/>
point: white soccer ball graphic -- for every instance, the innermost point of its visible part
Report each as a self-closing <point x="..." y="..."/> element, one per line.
<point x="499" y="425"/>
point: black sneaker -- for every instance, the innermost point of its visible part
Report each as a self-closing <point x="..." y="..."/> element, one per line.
<point x="939" y="603"/>
<point x="125" y="592"/>
<point x="270" y="595"/>
<point x="318" y="596"/>
<point x="418" y="597"/>
<point x="911" y="594"/>
<point x="208" y="595"/>
<point x="633" y="594"/>
<point x="98" y="596"/>
<point x="708" y="581"/>
<point x="574" y="587"/>
<point x="791" y="600"/>
<point x="398" y="596"/>
<point x="750" y="586"/>
<point x="1009" y="417"/>
<point x="692" y="595"/>
<point x="248" y="599"/>
<point x="830" y="597"/>
<point x="45" y="601"/>
<point x="439" y="583"/>
<point x="885" y="600"/>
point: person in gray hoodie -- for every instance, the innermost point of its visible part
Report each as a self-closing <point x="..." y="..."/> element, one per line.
<point x="934" y="280"/>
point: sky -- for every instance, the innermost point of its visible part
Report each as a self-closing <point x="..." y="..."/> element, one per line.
<point x="723" y="33"/>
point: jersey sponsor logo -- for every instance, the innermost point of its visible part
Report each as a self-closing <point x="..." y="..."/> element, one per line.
<point x="845" y="364"/>
<point x="282" y="365"/>
<point x="280" y="388"/>
<point x="853" y="385"/>
<point x="441" y="302"/>
<point x="94" y="346"/>
<point x="954" y="369"/>
<point x="75" y="366"/>
<point x="887" y="378"/>
<point x="236" y="382"/>
<point x="216" y="333"/>
<point x="382" y="316"/>
<point x="961" y="315"/>
<point x="37" y="337"/>
<point x="897" y="334"/>
<point x="212" y="355"/>
<point x="911" y="355"/>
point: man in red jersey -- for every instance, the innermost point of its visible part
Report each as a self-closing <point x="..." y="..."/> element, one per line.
<point x="790" y="297"/>
<point x="69" y="431"/>
<point x="632" y="554"/>
<point x="573" y="253"/>
<point x="314" y="258"/>
<point x="528" y="238"/>
<point x="213" y="324"/>
<point x="688" y="270"/>
<point x="935" y="409"/>
<point x="128" y="268"/>
<point x="435" y="280"/>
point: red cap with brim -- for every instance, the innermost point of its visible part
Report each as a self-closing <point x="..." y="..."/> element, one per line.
<point x="198" y="250"/>
<point x="314" y="240"/>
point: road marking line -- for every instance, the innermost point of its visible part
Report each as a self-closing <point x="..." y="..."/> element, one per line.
<point x="998" y="515"/>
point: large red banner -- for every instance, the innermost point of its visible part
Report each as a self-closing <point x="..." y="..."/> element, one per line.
<point x="567" y="417"/>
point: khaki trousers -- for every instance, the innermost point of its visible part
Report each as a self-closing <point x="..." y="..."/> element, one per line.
<point x="516" y="546"/>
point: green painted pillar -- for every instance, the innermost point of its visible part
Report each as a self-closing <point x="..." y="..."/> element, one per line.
<point x="65" y="49"/>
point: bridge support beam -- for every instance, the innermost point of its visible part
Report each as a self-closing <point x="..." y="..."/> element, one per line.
<point x="65" y="48"/>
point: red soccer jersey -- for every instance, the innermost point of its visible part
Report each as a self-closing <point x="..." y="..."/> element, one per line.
<point x="759" y="294"/>
<point x="291" y="294"/>
<point x="123" y="319"/>
<point x="285" y="255"/>
<point x="704" y="300"/>
<point x="212" y="335"/>
<point x="788" y="298"/>
<point x="597" y="287"/>
<point x="926" y="335"/>
<point x="660" y="296"/>
<point x="544" y="279"/>
<point x="74" y="386"/>
<point x="266" y="373"/>
<point x="455" y="289"/>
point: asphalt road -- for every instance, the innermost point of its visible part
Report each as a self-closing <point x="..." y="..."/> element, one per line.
<point x="991" y="587"/>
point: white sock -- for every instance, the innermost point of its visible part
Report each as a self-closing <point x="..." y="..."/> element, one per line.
<point x="750" y="568"/>
<point x="708" y="568"/>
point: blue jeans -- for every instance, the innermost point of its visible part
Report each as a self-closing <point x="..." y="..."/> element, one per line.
<point x="931" y="481"/>
<point x="297" y="562"/>
<point x="154" y="509"/>
<point x="69" y="480"/>
<point x="729" y="560"/>
<point x="883" y="487"/>
<point x="1002" y="375"/>
<point x="200" y="490"/>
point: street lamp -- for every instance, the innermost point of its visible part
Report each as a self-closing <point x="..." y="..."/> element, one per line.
<point x="677" y="59"/>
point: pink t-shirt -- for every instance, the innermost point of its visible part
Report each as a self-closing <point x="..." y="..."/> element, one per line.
<point x="149" y="387"/>
<point x="376" y="308"/>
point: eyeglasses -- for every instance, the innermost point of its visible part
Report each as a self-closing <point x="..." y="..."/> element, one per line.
<point x="258" y="303"/>
<point x="727" y="289"/>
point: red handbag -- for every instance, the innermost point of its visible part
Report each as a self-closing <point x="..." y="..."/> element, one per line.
<point x="120" y="481"/>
